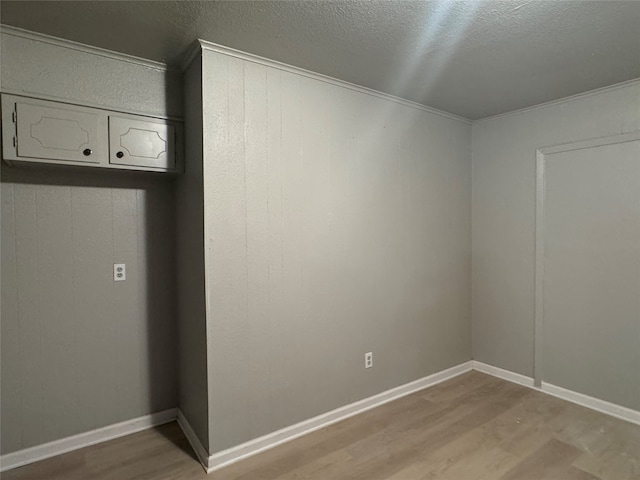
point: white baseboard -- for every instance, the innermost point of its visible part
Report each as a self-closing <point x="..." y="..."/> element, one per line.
<point x="503" y="374"/>
<point x="68" y="444"/>
<point x="596" y="404"/>
<point x="193" y="440"/>
<point x="235" y="454"/>
<point x="601" y="406"/>
<point x="253" y="447"/>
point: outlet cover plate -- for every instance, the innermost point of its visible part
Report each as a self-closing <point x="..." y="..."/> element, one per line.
<point x="119" y="272"/>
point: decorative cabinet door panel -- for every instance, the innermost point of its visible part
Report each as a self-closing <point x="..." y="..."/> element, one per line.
<point x="57" y="134"/>
<point x="141" y="143"/>
<point x="43" y="131"/>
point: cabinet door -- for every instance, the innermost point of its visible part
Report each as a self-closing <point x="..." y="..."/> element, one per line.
<point x="142" y="143"/>
<point x="57" y="133"/>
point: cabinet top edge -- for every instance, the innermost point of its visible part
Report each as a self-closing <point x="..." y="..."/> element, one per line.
<point x="9" y="94"/>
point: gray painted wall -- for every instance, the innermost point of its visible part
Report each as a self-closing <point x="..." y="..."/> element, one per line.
<point x="191" y="289"/>
<point x="336" y="223"/>
<point x="504" y="215"/>
<point x="79" y="351"/>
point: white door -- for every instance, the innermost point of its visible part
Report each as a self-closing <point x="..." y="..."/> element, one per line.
<point x="591" y="322"/>
<point x="141" y="143"/>
<point x="57" y="133"/>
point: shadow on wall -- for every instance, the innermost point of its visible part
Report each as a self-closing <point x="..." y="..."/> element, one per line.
<point x="114" y="344"/>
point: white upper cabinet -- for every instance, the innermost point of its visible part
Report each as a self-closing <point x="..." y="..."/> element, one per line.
<point x="58" y="134"/>
<point x="144" y="143"/>
<point x="42" y="131"/>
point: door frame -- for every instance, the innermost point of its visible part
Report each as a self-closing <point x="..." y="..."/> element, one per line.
<point x="541" y="160"/>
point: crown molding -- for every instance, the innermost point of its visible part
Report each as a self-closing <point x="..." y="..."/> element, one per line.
<point x="200" y="45"/>
<point x="590" y="93"/>
<point x="70" y="44"/>
<point x="213" y="47"/>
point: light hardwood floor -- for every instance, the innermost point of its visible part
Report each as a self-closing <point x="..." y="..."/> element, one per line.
<point x="473" y="427"/>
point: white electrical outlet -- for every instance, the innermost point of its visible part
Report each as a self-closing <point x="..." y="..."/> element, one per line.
<point x="119" y="272"/>
<point x="368" y="360"/>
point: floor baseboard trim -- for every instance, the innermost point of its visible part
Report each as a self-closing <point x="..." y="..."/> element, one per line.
<point x="581" y="399"/>
<point x="596" y="404"/>
<point x="75" y="442"/>
<point x="503" y="374"/>
<point x="253" y="447"/>
<point x="193" y="440"/>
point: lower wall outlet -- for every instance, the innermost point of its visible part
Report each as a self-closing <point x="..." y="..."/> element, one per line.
<point x="119" y="272"/>
<point x="368" y="360"/>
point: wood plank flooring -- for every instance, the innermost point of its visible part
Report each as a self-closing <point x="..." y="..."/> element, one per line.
<point x="473" y="427"/>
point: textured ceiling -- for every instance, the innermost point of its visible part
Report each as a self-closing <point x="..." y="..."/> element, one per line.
<point x="471" y="58"/>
